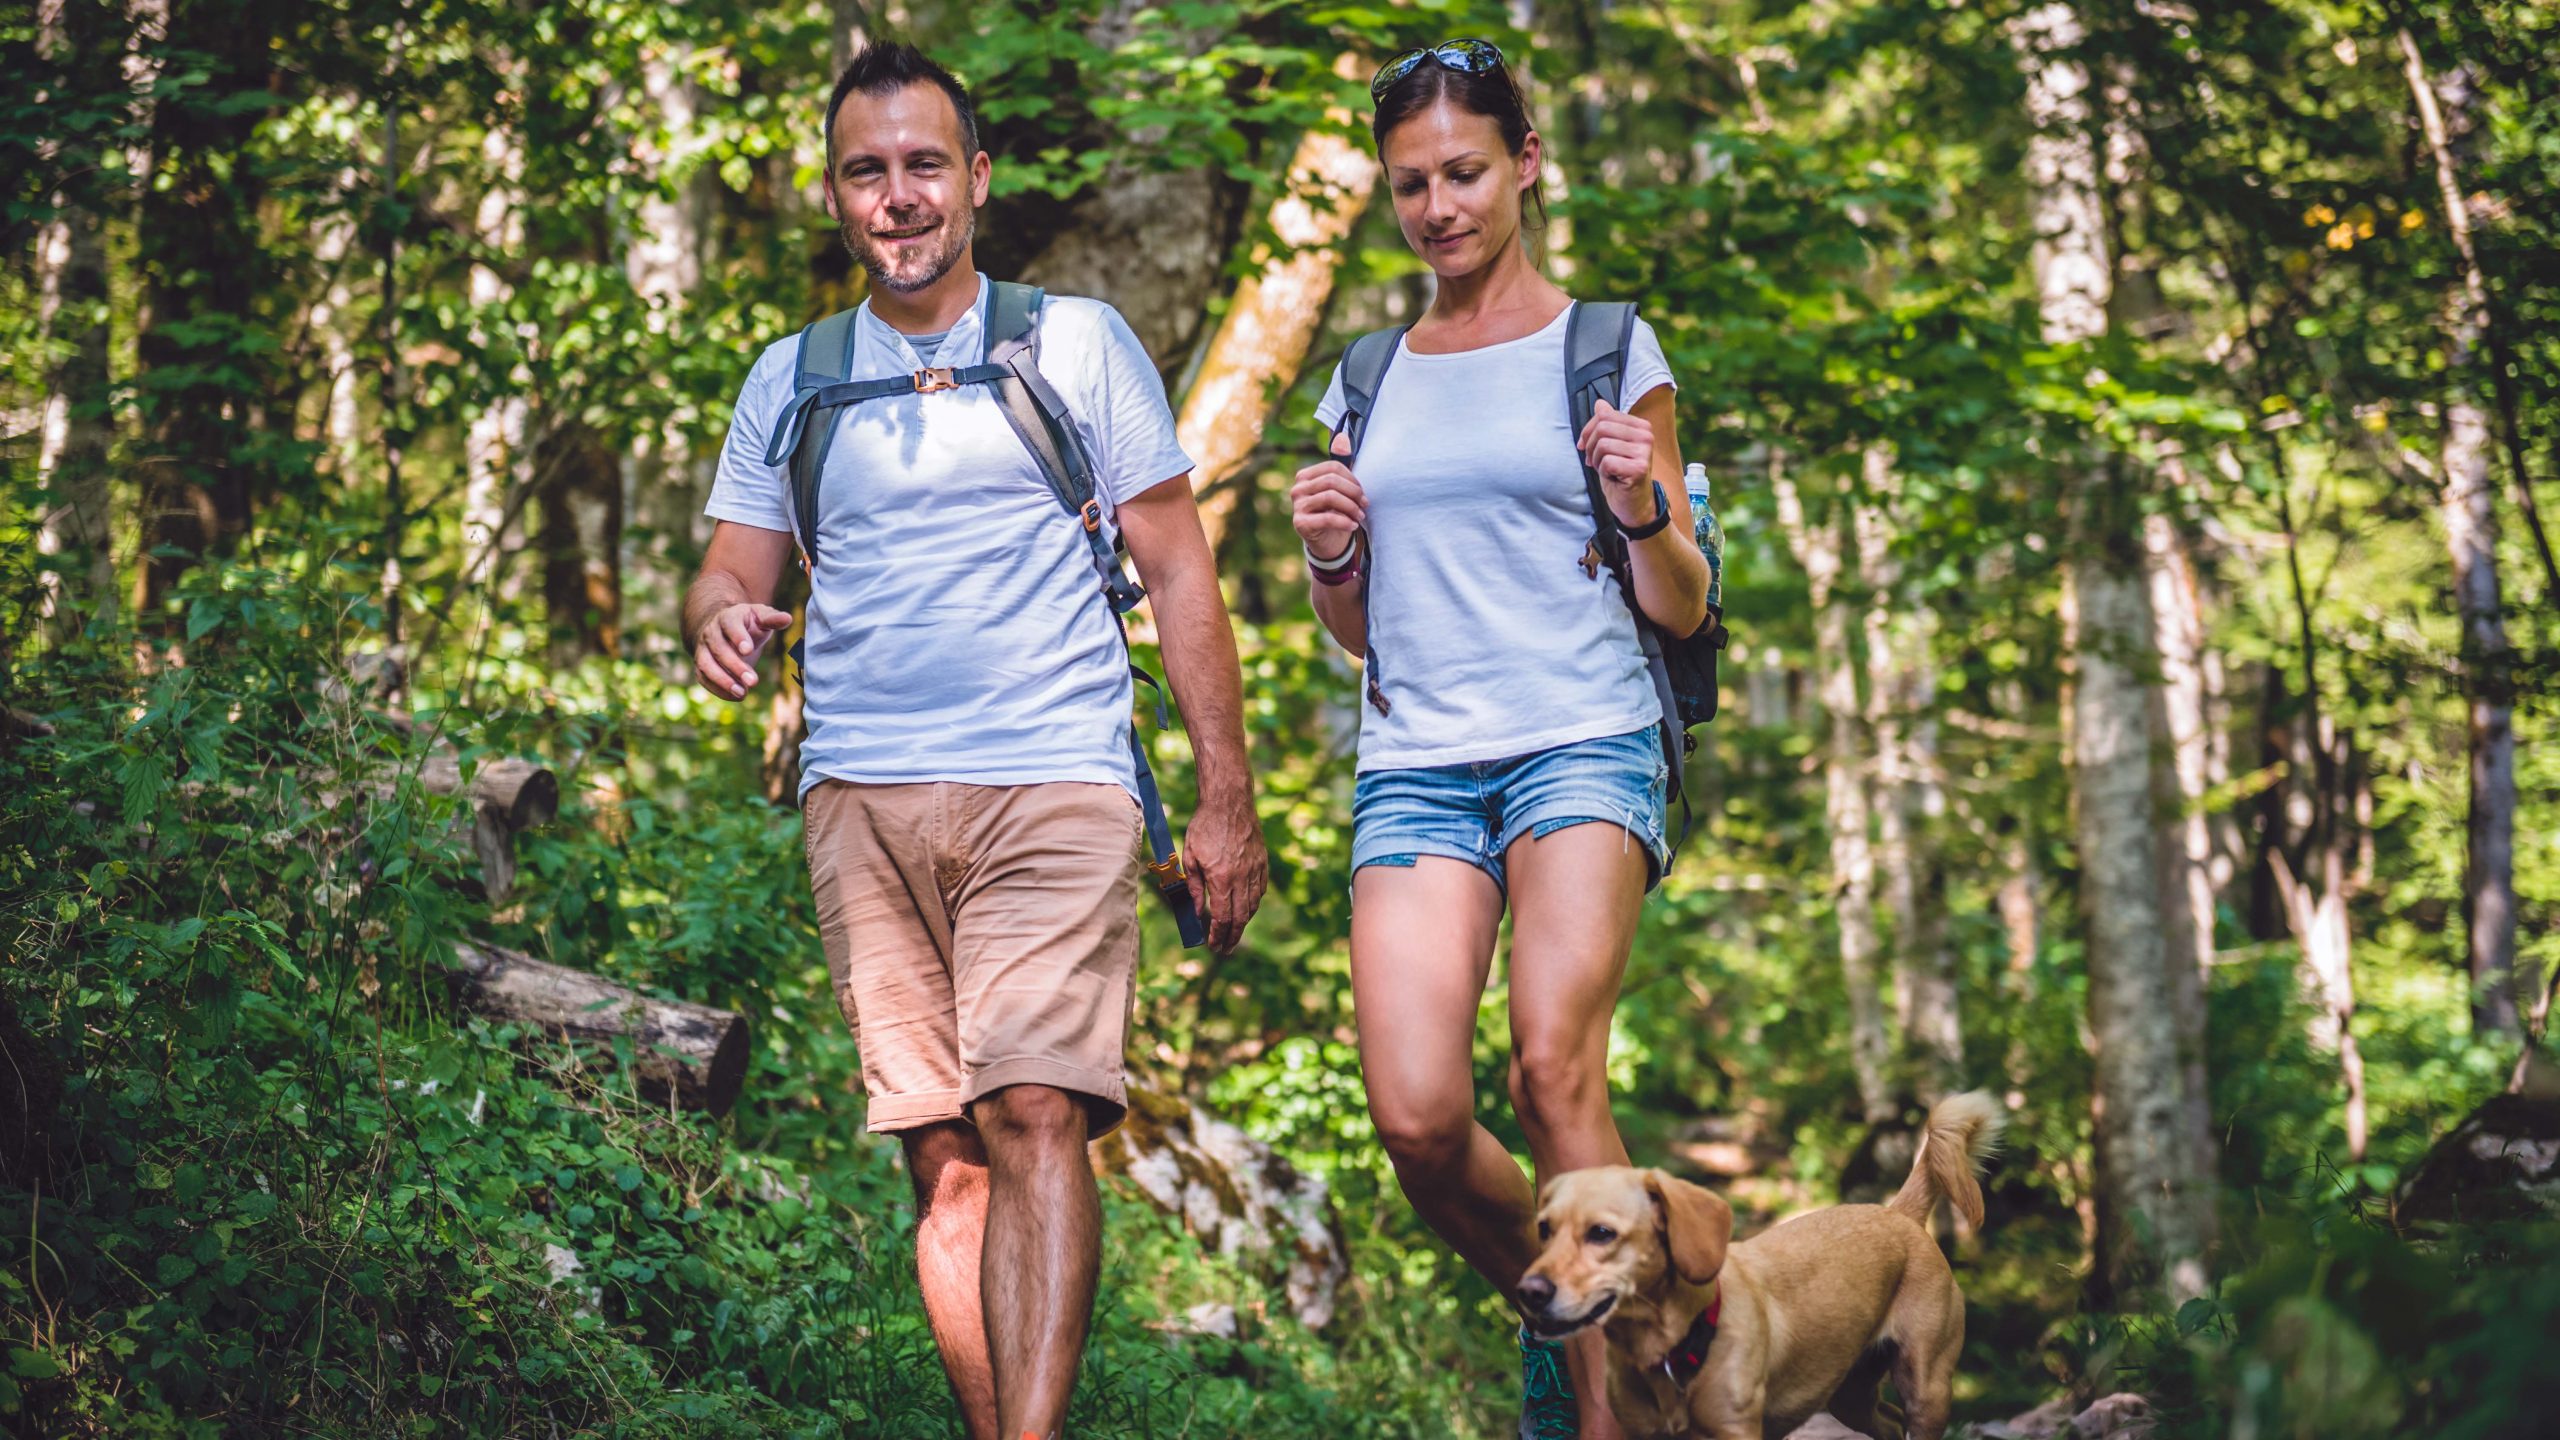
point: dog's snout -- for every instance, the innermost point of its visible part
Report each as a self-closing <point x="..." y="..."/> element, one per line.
<point x="1535" y="1293"/>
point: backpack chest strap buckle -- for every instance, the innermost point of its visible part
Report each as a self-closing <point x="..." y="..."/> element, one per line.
<point x="935" y="377"/>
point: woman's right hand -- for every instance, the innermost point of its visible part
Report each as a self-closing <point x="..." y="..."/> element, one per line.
<point x="1327" y="505"/>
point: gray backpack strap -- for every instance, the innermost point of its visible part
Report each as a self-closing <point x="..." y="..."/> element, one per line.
<point x="1039" y="415"/>
<point x="805" y="429"/>
<point x="1595" y="362"/>
<point x="1364" y="370"/>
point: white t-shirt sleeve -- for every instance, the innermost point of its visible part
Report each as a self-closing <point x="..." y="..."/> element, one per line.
<point x="1118" y="401"/>
<point x="1329" y="409"/>
<point x="1646" y="369"/>
<point x="744" y="489"/>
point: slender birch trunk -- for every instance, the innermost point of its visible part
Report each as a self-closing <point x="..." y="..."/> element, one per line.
<point x="1845" y="803"/>
<point x="2187" y="895"/>
<point x="1259" y="346"/>
<point x="2470" y="510"/>
<point x="1923" y="969"/>
<point x="77" y="426"/>
<point x="666" y="479"/>
<point x="2147" y="1163"/>
<point x="497" y="452"/>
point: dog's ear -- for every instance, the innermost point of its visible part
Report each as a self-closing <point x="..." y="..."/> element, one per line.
<point x="1696" y="1225"/>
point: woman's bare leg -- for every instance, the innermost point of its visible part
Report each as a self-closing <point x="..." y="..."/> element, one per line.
<point x="1575" y="896"/>
<point x="1421" y="946"/>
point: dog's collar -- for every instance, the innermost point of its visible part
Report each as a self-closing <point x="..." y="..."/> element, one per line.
<point x="1684" y="1360"/>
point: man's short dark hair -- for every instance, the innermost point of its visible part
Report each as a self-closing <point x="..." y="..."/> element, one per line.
<point x="886" y="68"/>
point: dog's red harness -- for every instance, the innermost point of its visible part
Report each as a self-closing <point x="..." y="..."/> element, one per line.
<point x="1689" y="1357"/>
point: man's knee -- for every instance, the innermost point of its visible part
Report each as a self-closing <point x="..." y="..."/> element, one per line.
<point x="1018" y="1116"/>
<point x="946" y="1162"/>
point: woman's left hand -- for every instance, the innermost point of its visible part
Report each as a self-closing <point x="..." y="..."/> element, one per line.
<point x="1620" y="447"/>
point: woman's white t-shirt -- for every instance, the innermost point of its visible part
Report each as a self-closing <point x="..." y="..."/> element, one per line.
<point x="1493" y="638"/>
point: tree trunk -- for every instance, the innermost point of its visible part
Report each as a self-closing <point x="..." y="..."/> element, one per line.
<point x="665" y="482"/>
<point x="2187" y="896"/>
<point x="86" y="38"/>
<point x="203" y="267"/>
<point x="2148" y="1163"/>
<point x="497" y="452"/>
<point x="581" y="536"/>
<point x="1152" y="242"/>
<point x="77" y="426"/>
<point x="848" y="30"/>
<point x="1845" y="803"/>
<point x="1254" y="357"/>
<point x="1905" y="798"/>
<point x="691" y="1055"/>
<point x="2186" y="853"/>
<point x="2309" y="848"/>
<point x="2470" y="510"/>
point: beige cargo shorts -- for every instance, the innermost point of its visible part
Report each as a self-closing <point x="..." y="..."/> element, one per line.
<point x="979" y="936"/>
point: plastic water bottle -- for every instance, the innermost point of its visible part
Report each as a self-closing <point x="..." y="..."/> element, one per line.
<point x="1710" y="533"/>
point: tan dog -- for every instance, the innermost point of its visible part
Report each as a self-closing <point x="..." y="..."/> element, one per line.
<point x="1748" y="1341"/>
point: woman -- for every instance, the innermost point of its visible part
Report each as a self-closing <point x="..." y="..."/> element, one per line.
<point x="1513" y="752"/>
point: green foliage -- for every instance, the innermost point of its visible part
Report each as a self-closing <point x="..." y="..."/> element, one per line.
<point x="285" y="1188"/>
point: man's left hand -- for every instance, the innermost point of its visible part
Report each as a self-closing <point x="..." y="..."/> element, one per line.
<point x="1227" y="869"/>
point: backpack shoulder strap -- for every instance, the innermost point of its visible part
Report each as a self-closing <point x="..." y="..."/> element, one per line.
<point x="825" y="359"/>
<point x="1595" y="355"/>
<point x="1364" y="369"/>
<point x="1595" y="361"/>
<point x="1039" y="415"/>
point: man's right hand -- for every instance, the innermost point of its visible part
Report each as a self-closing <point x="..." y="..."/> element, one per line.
<point x="724" y="656"/>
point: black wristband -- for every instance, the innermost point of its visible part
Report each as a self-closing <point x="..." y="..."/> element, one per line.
<point x="1653" y="527"/>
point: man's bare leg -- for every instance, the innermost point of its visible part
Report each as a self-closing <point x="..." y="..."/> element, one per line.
<point x="949" y="1168"/>
<point x="1043" y="1248"/>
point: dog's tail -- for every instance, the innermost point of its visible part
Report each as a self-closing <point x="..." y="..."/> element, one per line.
<point x="1962" y="1131"/>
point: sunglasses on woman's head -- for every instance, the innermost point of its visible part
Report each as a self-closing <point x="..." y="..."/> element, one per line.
<point x="1467" y="57"/>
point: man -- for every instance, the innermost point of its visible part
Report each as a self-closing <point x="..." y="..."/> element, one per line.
<point x="967" y="781"/>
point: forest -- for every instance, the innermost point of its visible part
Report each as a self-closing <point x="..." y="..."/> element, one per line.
<point x="2128" y="418"/>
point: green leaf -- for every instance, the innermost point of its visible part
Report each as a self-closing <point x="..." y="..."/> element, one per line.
<point x="32" y="1364"/>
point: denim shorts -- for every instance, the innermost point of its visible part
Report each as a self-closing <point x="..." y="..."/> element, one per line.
<point x="1474" y="810"/>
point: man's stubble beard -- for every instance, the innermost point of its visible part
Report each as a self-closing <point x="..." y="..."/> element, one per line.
<point x="957" y="235"/>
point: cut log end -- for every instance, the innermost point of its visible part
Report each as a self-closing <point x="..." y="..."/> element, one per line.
<point x="691" y="1054"/>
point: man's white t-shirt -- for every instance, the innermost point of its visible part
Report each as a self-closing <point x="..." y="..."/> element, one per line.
<point x="1492" y="639"/>
<point x="956" y="629"/>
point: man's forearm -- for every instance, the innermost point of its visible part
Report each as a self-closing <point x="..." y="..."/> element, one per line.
<point x="1208" y="684"/>
<point x="711" y="592"/>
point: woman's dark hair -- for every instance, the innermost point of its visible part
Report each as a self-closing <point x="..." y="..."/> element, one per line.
<point x="885" y="69"/>
<point x="1493" y="94"/>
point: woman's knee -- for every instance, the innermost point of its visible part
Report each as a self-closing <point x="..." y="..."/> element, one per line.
<point x="1424" y="1136"/>
<point x="1558" y="1084"/>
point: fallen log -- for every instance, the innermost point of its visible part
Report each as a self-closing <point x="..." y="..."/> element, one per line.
<point x="507" y="796"/>
<point x="522" y="793"/>
<point x="692" y="1054"/>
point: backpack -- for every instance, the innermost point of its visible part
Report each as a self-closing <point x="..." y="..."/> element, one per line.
<point x="806" y="430"/>
<point x="1683" y="667"/>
